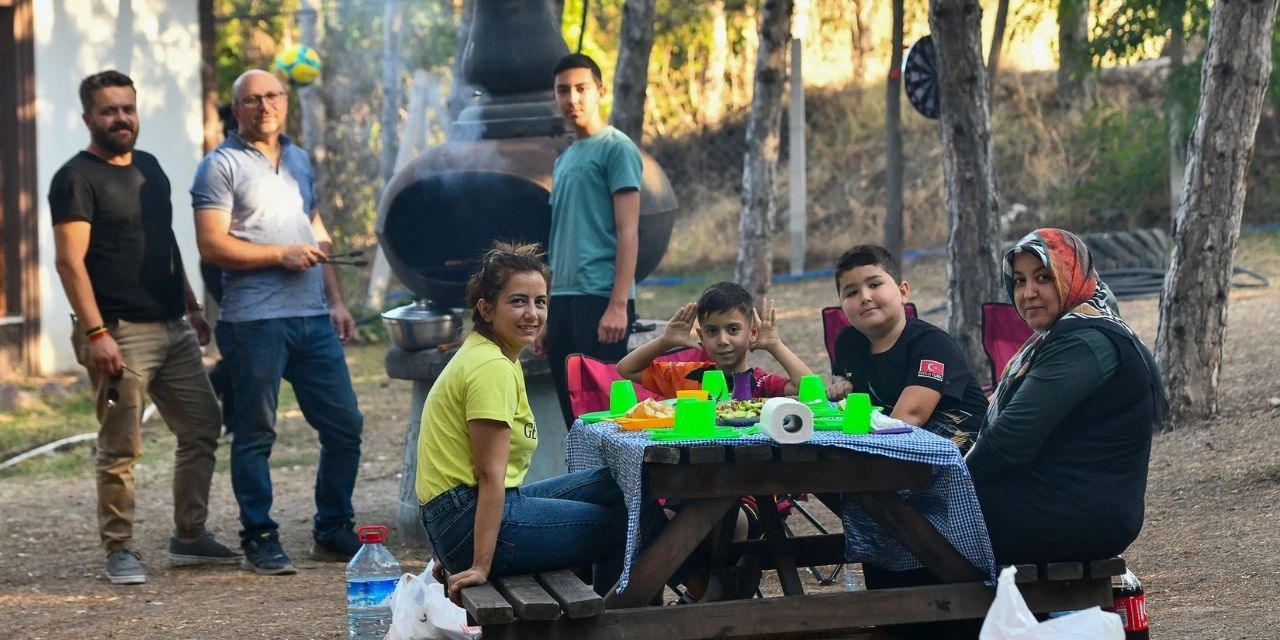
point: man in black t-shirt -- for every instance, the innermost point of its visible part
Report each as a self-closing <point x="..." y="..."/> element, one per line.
<point x="119" y="264"/>
<point x="908" y="366"/>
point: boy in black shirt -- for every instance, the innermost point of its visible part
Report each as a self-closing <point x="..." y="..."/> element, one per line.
<point x="910" y="367"/>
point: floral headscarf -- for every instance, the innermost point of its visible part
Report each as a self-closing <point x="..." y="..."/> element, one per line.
<point x="1066" y="256"/>
<point x="1083" y="295"/>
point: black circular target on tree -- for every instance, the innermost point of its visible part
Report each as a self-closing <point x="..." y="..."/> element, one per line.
<point x="920" y="77"/>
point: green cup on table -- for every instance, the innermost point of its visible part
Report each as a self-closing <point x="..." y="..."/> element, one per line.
<point x="695" y="418"/>
<point x="715" y="384"/>
<point x="622" y="396"/>
<point x="811" y="389"/>
<point x="857" y="414"/>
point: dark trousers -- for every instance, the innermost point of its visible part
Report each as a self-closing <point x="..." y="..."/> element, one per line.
<point x="306" y="352"/>
<point x="572" y="325"/>
<point x="220" y="374"/>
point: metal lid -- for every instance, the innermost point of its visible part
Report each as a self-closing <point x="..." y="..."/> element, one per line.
<point x="417" y="310"/>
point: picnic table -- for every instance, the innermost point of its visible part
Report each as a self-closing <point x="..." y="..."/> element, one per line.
<point x="905" y="501"/>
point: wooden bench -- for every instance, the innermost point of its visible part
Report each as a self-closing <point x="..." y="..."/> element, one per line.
<point x="558" y="605"/>
<point x="506" y="605"/>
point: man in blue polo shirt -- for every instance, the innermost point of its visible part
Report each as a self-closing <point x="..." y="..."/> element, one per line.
<point x="282" y="317"/>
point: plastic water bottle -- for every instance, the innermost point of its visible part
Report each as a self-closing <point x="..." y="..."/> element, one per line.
<point x="372" y="575"/>
<point x="851" y="580"/>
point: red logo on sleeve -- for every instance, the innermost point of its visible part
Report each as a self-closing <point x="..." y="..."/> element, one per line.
<point x="931" y="369"/>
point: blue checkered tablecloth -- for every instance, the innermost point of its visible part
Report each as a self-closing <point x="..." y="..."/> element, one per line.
<point x="950" y="505"/>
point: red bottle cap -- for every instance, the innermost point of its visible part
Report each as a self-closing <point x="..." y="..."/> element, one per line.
<point x="372" y="534"/>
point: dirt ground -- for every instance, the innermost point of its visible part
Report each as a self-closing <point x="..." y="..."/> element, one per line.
<point x="1209" y="555"/>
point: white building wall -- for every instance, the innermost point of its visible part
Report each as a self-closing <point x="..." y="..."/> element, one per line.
<point x="155" y="42"/>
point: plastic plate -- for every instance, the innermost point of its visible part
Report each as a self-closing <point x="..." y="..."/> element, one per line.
<point x="637" y="424"/>
<point x="665" y="435"/>
<point x="598" y="416"/>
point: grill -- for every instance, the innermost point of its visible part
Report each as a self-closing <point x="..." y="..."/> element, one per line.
<point x="492" y="179"/>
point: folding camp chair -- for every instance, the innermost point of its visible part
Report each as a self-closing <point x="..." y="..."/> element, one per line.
<point x="834" y="321"/>
<point x="589" y="380"/>
<point x="1003" y="333"/>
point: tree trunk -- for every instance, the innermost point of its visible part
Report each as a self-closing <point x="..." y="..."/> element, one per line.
<point x="713" y="96"/>
<point x="859" y="42"/>
<point x="1075" y="86"/>
<point x="459" y="91"/>
<point x="973" y="275"/>
<point x="389" y="134"/>
<point x="309" y="99"/>
<point x="997" y="42"/>
<point x="209" y="75"/>
<point x="631" y="79"/>
<point x="1206" y="229"/>
<point x="893" y="227"/>
<point x="760" y="164"/>
<point x="1176" y="50"/>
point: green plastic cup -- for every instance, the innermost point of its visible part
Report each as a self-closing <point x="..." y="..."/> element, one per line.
<point x="812" y="389"/>
<point x="695" y="418"/>
<point x="622" y="396"/>
<point x="714" y="383"/>
<point x="857" y="414"/>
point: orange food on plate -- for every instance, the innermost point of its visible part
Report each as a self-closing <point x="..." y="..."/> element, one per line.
<point x="651" y="408"/>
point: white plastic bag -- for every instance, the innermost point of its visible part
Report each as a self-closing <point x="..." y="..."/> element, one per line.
<point x="1010" y="619"/>
<point x="420" y="610"/>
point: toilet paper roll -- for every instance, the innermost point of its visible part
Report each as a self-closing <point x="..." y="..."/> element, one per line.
<point x="786" y="421"/>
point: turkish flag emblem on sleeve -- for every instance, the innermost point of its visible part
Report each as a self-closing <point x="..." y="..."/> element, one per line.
<point x="931" y="369"/>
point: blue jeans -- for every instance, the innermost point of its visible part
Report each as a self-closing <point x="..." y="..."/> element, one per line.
<point x="306" y="352"/>
<point x="565" y="522"/>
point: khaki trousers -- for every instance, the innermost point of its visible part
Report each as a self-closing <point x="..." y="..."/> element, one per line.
<point x="165" y="359"/>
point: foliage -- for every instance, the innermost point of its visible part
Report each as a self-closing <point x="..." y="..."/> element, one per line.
<point x="1135" y="28"/>
<point x="1123" y="177"/>
<point x="1273" y="88"/>
<point x="1102" y="164"/>
<point x="249" y="32"/>
<point x="1132" y="28"/>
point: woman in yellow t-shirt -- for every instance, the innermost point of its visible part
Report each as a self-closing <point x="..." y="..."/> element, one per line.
<point x="478" y="436"/>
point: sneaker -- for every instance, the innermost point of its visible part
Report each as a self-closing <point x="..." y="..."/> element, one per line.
<point x="338" y="548"/>
<point x="204" y="550"/>
<point x="738" y="582"/>
<point x="264" y="555"/>
<point x="124" y="566"/>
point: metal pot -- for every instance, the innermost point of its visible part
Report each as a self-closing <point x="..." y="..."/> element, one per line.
<point x="420" y="325"/>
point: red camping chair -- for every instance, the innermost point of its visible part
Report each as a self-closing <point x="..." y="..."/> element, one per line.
<point x="589" y="380"/>
<point x="1003" y="333"/>
<point x="834" y="321"/>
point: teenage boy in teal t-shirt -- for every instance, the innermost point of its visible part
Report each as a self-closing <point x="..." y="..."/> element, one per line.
<point x="595" y="214"/>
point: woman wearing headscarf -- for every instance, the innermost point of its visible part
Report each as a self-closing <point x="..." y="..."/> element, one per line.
<point x="1060" y="467"/>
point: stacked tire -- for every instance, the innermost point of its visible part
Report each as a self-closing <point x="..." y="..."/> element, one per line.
<point x="1139" y="249"/>
<point x="1132" y="263"/>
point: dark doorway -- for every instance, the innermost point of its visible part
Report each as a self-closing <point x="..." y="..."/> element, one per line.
<point x="19" y="296"/>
